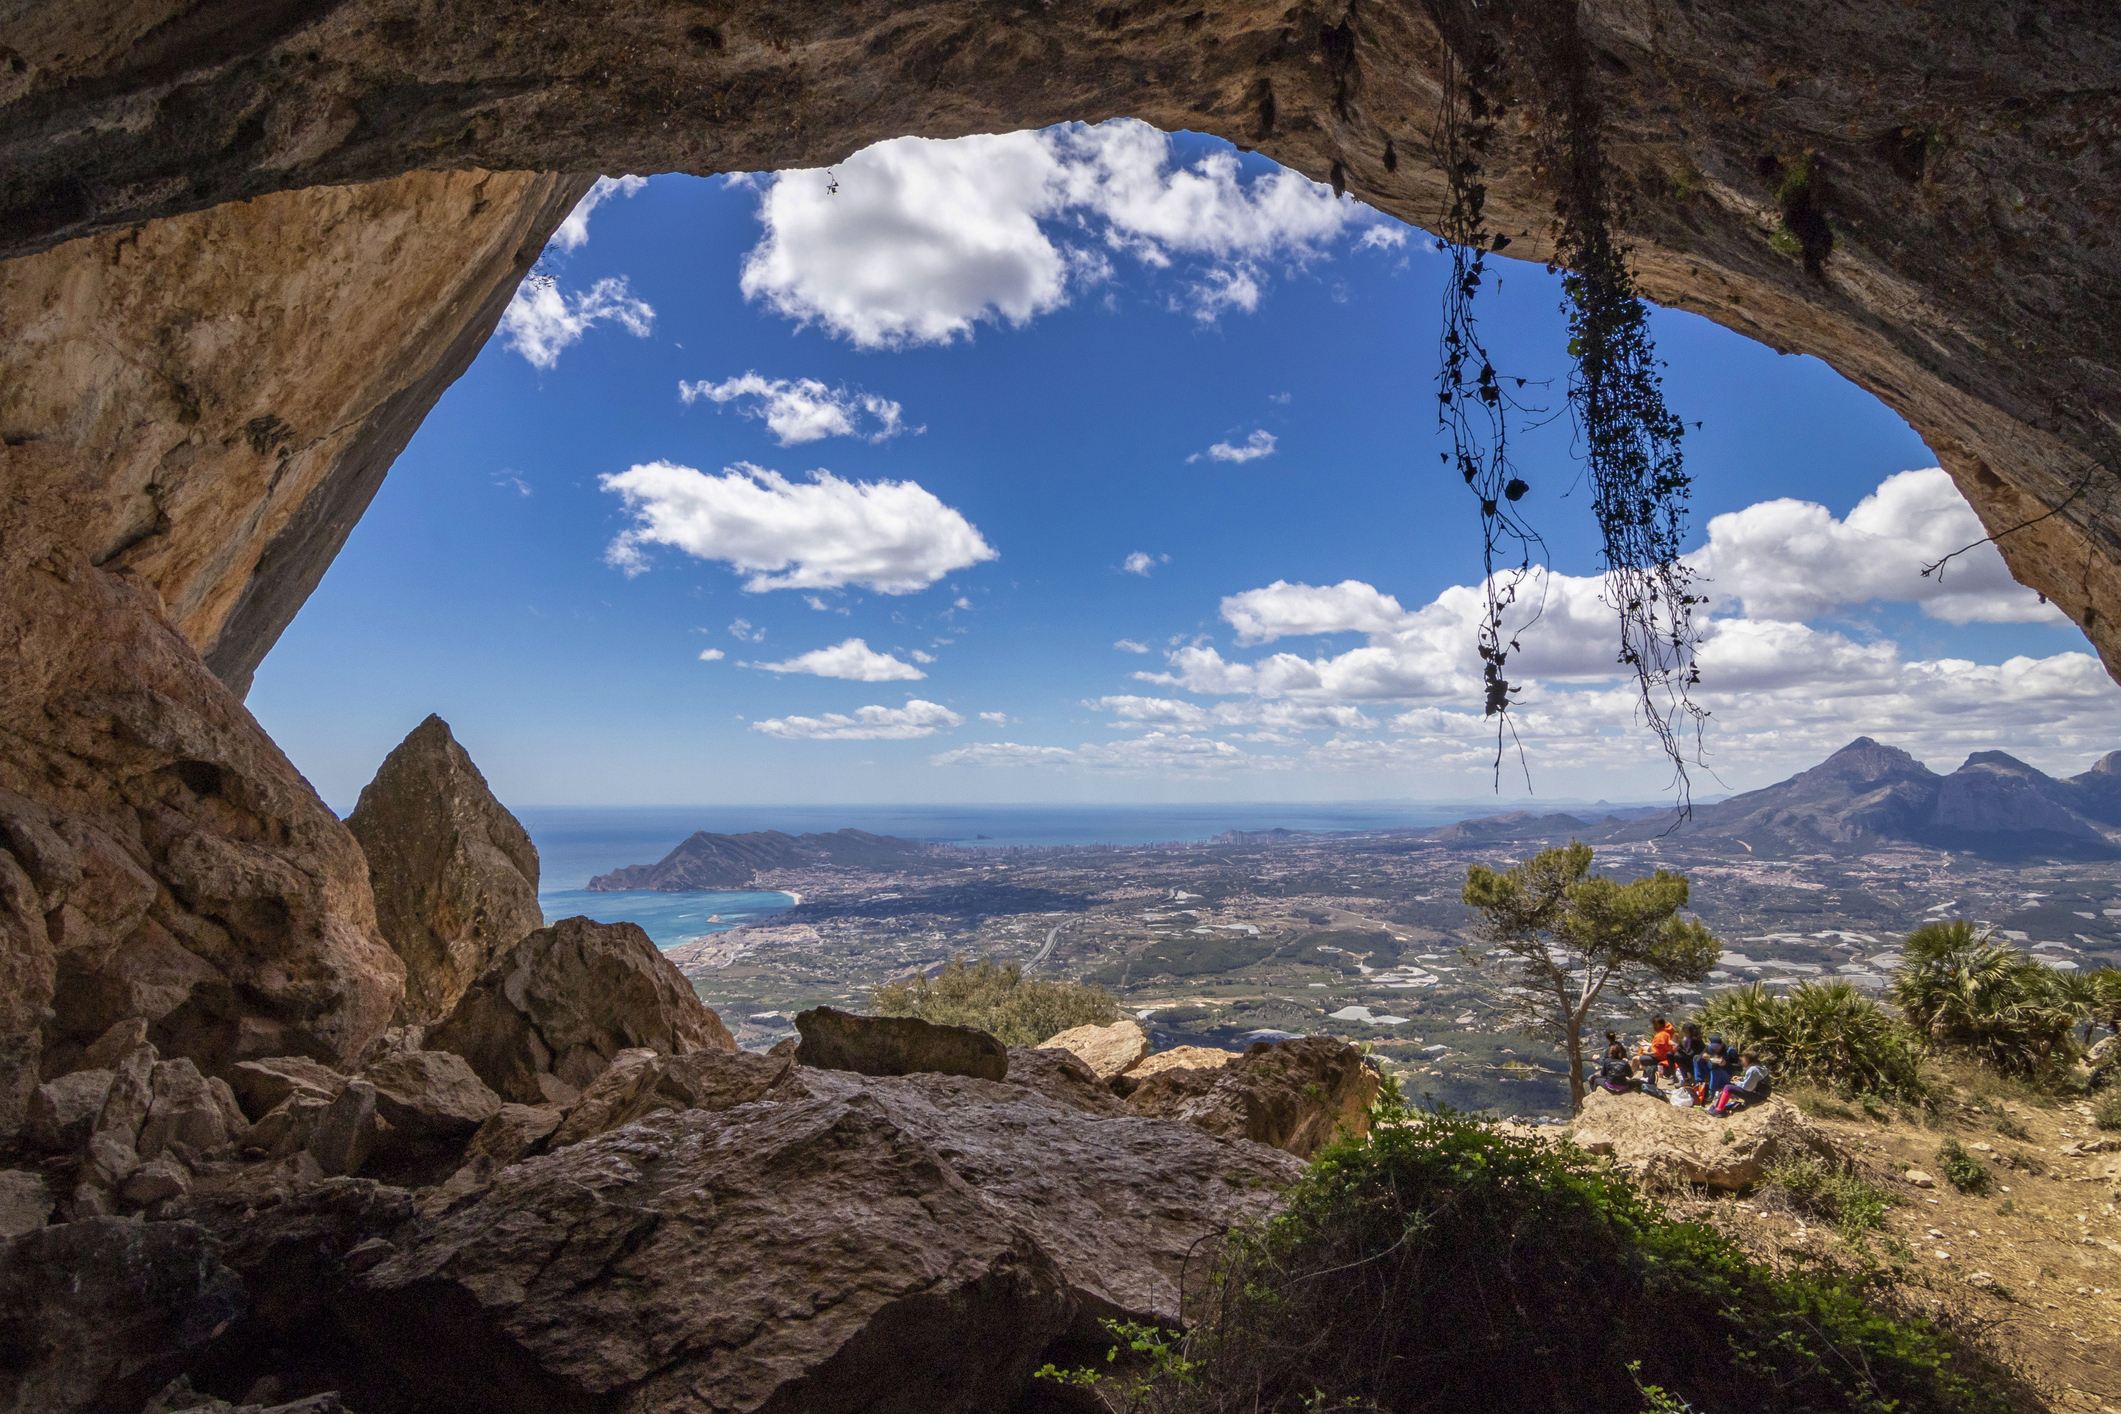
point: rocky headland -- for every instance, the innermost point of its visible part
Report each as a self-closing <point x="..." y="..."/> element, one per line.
<point x="709" y="861"/>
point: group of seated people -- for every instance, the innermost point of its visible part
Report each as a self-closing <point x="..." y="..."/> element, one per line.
<point x="1684" y="1058"/>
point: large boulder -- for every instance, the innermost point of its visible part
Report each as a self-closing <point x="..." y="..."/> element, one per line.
<point x="515" y="1130"/>
<point x="100" y="1313"/>
<point x="1107" y="1050"/>
<point x="1666" y="1147"/>
<point x="551" y="1012"/>
<point x="896" y="1045"/>
<point x="1181" y="1058"/>
<point x="1294" y="1095"/>
<point x="187" y="877"/>
<point x="622" y="1094"/>
<point x="903" y="1243"/>
<point x="345" y="1133"/>
<point x="804" y="1258"/>
<point x="455" y="875"/>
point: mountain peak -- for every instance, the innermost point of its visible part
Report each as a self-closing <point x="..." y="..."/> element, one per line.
<point x="1866" y="759"/>
<point x="2000" y="761"/>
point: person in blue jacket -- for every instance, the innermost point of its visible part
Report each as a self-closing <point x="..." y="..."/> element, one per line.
<point x="1712" y="1068"/>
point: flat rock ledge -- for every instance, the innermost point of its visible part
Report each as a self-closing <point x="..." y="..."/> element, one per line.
<point x="1661" y="1146"/>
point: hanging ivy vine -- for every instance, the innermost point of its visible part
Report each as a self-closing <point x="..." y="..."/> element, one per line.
<point x="1629" y="439"/>
<point x="1475" y="403"/>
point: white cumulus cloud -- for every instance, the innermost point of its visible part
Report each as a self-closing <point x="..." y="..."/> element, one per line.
<point x="712" y="655"/>
<point x="541" y="320"/>
<point x="853" y="659"/>
<point x="573" y="233"/>
<point x="1285" y="610"/>
<point x="998" y="719"/>
<point x="1259" y="444"/>
<point x="915" y="719"/>
<point x="1789" y="559"/>
<point x="1141" y="563"/>
<point x="1782" y="692"/>
<point x="1128" y="645"/>
<point x="918" y="240"/>
<point x="803" y="409"/>
<point x="893" y="537"/>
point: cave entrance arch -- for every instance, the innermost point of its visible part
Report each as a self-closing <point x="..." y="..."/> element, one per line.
<point x="247" y="244"/>
<point x="1952" y="160"/>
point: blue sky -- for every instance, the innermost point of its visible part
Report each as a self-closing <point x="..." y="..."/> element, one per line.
<point x="1023" y="353"/>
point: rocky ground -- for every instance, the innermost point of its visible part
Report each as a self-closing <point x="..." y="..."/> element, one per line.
<point x="2030" y="1271"/>
<point x="569" y="1187"/>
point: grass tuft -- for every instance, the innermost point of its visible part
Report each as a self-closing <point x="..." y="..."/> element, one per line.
<point x="1851" y="1205"/>
<point x="1963" y="1171"/>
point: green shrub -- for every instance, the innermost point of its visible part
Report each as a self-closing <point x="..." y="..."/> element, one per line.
<point x="1820" y="1103"/>
<point x="2108" y="1113"/>
<point x="1443" y="1265"/>
<point x="997" y="1000"/>
<point x="1834" y="1195"/>
<point x="1964" y="989"/>
<point x="1963" y="1171"/>
<point x="2102" y="986"/>
<point x="1827" y="1033"/>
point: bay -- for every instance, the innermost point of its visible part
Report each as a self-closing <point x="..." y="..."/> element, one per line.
<point x="667" y="919"/>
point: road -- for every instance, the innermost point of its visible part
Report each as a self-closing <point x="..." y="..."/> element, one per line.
<point x="1044" y="952"/>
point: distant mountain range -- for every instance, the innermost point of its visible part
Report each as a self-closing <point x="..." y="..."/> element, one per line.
<point x="1864" y="796"/>
<point x="706" y="861"/>
<point x="1868" y="794"/>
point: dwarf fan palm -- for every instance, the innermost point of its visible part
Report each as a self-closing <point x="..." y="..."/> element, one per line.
<point x="1965" y="989"/>
<point x="1825" y="1032"/>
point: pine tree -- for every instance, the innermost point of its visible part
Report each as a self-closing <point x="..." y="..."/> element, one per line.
<point x="1572" y="936"/>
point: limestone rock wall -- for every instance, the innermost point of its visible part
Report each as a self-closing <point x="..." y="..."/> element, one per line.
<point x="206" y="405"/>
<point x="1964" y="159"/>
<point x="194" y="413"/>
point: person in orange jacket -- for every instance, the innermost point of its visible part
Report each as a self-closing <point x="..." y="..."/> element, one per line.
<point x="1662" y="1040"/>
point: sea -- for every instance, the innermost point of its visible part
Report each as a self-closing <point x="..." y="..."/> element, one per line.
<point x="576" y="843"/>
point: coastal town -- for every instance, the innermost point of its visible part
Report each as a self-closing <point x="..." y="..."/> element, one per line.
<point x="1361" y="936"/>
